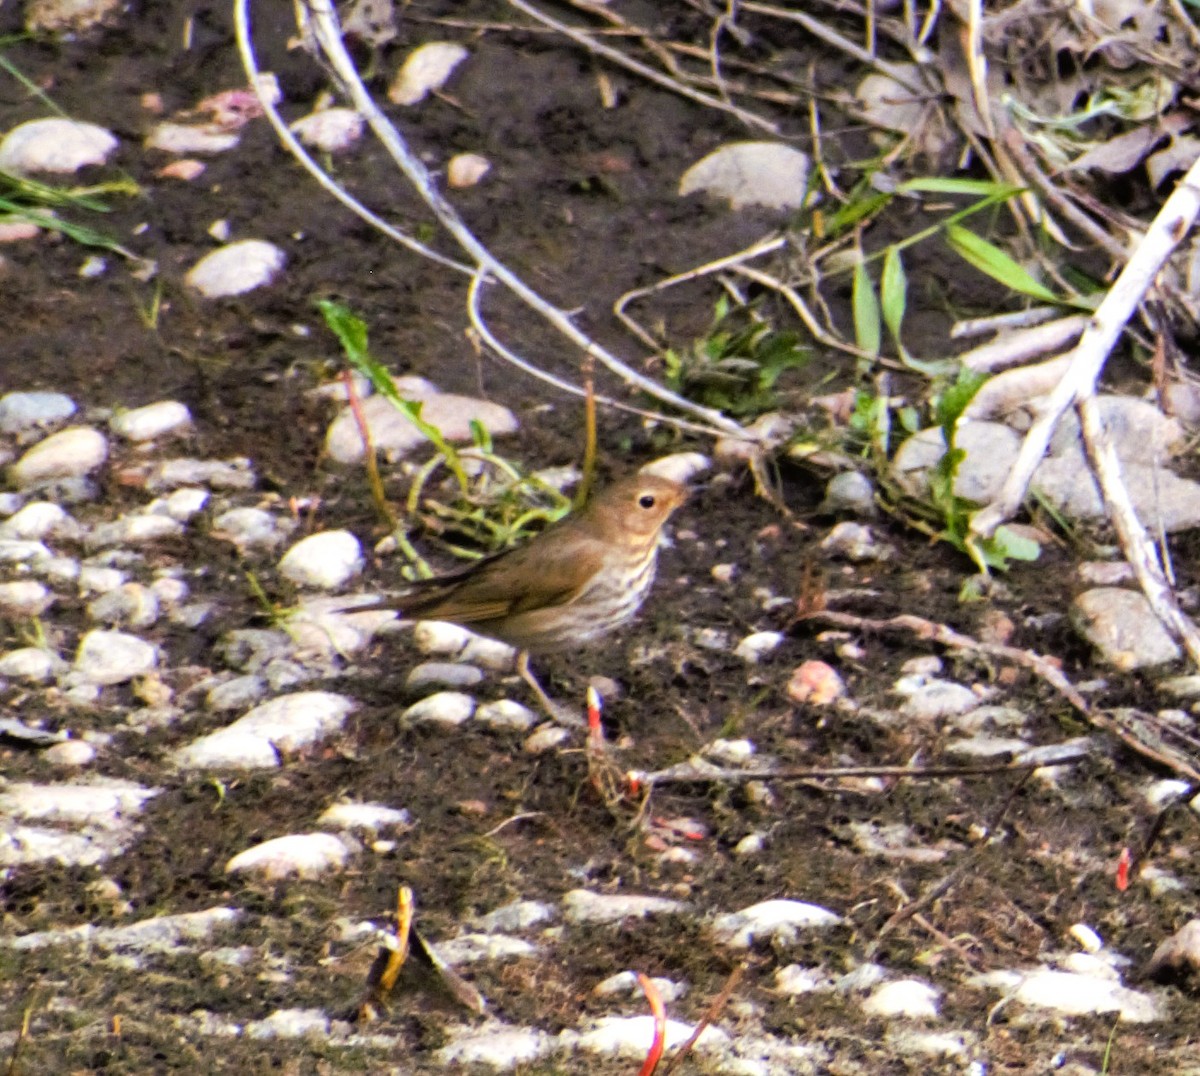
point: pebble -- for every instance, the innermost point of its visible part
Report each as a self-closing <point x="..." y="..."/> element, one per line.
<point x="443" y="674"/>
<point x="134" y="530"/>
<point x="25" y="597"/>
<point x="235" y="474"/>
<point x="628" y="1036"/>
<point x="1121" y="625"/>
<point x="466" y="170"/>
<point x="439" y="637"/>
<point x="747" y="173"/>
<point x="70" y="753"/>
<point x="9" y="502"/>
<point x="188" y="138"/>
<point x="31" y="663"/>
<point x="584" y="906"/>
<point x="505" y="715"/>
<point x="1072" y="993"/>
<point x="816" y="684"/>
<point x="252" y="528"/>
<point x="330" y="130"/>
<point x="181" y="505"/>
<point x="730" y="752"/>
<point x="169" y="590"/>
<point x="19" y="551"/>
<point x="546" y="739"/>
<point x="73" y="452"/>
<point x="236" y="694"/>
<point x="778" y="921"/>
<point x="519" y="915"/>
<point x="856" y="542"/>
<point x="446" y="708"/>
<point x="153" y="420"/>
<point x="849" y="493"/>
<point x="236" y="269"/>
<point x="370" y="818"/>
<point x="912" y="998"/>
<point x="625" y="985"/>
<point x="473" y="948"/>
<point x="324" y="560"/>
<point x="756" y="646"/>
<point x="55" y="145"/>
<point x="113" y="657"/>
<point x="393" y="434"/>
<point x="934" y="699"/>
<point x="69" y="17"/>
<point x="58" y="569"/>
<point x="499" y="1048"/>
<point x="990" y="447"/>
<point x="20" y="411"/>
<point x="103" y="804"/>
<point x="795" y="979"/>
<point x="38" y="520"/>
<point x="681" y="467"/>
<point x="298" y="855"/>
<point x="131" y="605"/>
<point x="426" y="69"/>
<point x="96" y="579"/>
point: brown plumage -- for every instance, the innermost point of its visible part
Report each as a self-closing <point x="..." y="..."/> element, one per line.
<point x="575" y="581"/>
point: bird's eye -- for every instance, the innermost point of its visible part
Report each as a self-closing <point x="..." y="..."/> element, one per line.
<point x="647" y="500"/>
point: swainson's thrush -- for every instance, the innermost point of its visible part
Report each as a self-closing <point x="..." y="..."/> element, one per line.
<point x="580" y="579"/>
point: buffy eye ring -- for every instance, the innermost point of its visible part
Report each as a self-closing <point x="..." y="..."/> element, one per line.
<point x="647" y="501"/>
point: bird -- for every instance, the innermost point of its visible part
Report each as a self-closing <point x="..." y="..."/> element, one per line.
<point x="578" y="580"/>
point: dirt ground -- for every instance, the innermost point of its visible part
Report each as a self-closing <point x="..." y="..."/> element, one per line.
<point x="582" y="202"/>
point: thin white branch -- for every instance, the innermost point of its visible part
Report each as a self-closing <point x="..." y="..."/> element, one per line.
<point x="241" y="19"/>
<point x="323" y="21"/>
<point x="620" y="59"/>
<point x="1087" y="358"/>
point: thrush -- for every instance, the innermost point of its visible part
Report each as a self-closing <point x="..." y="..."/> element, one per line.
<point x="576" y="581"/>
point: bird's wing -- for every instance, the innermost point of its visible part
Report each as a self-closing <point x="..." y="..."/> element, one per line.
<point x="531" y="577"/>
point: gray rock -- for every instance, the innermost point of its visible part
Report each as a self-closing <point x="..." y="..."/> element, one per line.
<point x="70" y="453"/>
<point x="1122" y="627"/>
<point x="20" y="411"/>
<point x="112" y="657"/>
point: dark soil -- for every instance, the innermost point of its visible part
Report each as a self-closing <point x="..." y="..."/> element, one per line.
<point x="582" y="203"/>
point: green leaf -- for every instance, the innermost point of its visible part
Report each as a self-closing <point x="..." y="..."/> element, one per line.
<point x="852" y="212"/>
<point x="893" y="287"/>
<point x="954" y="400"/>
<point x="868" y="330"/>
<point x="990" y="259"/>
<point x="984" y="188"/>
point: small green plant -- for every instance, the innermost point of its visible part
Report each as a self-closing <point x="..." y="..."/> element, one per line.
<point x="28" y="201"/>
<point x="495" y="504"/>
<point x="736" y="367"/>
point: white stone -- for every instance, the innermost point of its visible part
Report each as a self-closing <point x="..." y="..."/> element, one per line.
<point x="584" y="906"/>
<point x="153" y="420"/>
<point x="1089" y="941"/>
<point x="298" y="855"/>
<point x="474" y="948"/>
<point x="131" y="606"/>
<point x="31" y="663"/>
<point x="466" y="170"/>
<point x="23" y="410"/>
<point x="236" y="269"/>
<point x="1121" y="625"/>
<point x="369" y="817"/>
<point x="626" y="984"/>
<point x="426" y="69"/>
<point x="497" y="1046"/>
<point x="1073" y="994"/>
<point x="779" y="921"/>
<point x="934" y="699"/>
<point x="70" y="753"/>
<point x="134" y="529"/>
<point x="631" y="1036"/>
<point x="97" y="579"/>
<point x="730" y="752"/>
<point x="394" y="434"/>
<point x="169" y="590"/>
<point x="506" y="715"/>
<point x="188" y="138"/>
<point x="904" y="997"/>
<point x="546" y="739"/>
<point x="38" y="520"/>
<point x="324" y="560"/>
<point x="236" y="694"/>
<point x="55" y="145"/>
<point x="252" y="528"/>
<point x="769" y="174"/>
<point x="25" y="597"/>
<point x="758" y="645"/>
<point x="445" y="708"/>
<point x="331" y="130"/>
<point x="18" y="551"/>
<point x="451" y="674"/>
<point x="112" y="657"/>
<point x="70" y="453"/>
<point x="289" y="723"/>
<point x="795" y="979"/>
<point x="182" y="504"/>
<point x="519" y="915"/>
<point x="105" y="804"/>
<point x="218" y="474"/>
<point x="681" y="467"/>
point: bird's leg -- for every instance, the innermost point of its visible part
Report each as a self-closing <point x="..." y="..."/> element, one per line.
<point x="564" y="715"/>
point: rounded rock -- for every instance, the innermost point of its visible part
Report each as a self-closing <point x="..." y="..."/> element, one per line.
<point x="324" y="560"/>
<point x="153" y="420"/>
<point x="25" y="410"/>
<point x="447" y="709"/>
<point x="25" y="597"/>
<point x="55" y="145"/>
<point x="236" y="269"/>
<point x="70" y="753"/>
<point x="70" y="453"/>
<point x="299" y="855"/>
<point x="112" y="657"/>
